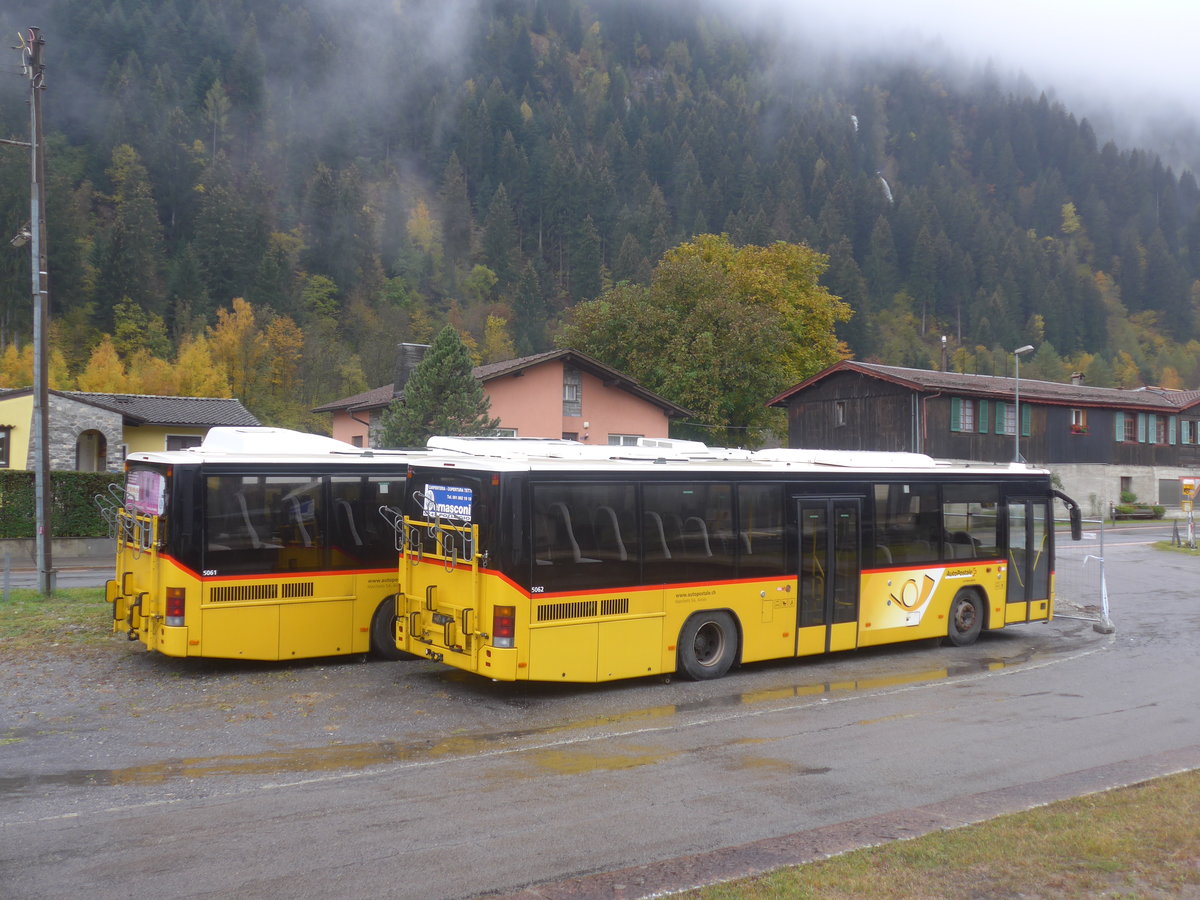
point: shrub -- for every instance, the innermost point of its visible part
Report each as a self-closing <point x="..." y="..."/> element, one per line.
<point x="73" y="510"/>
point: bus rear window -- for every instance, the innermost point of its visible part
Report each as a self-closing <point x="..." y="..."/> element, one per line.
<point x="145" y="492"/>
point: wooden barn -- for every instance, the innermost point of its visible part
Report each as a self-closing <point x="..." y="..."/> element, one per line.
<point x="1100" y="441"/>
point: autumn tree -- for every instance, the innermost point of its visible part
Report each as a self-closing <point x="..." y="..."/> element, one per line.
<point x="720" y="330"/>
<point x="238" y="347"/>
<point x="440" y="397"/>
<point x="105" y="373"/>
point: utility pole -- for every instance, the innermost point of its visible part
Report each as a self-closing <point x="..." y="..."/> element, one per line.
<point x="32" y="65"/>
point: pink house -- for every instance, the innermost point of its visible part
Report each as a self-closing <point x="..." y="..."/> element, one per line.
<point x="557" y="394"/>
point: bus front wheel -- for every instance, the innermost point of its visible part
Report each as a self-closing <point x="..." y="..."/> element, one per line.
<point x="707" y="645"/>
<point x="966" y="619"/>
<point x="383" y="632"/>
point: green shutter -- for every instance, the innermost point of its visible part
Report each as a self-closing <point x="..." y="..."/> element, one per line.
<point x="955" y="414"/>
<point x="1025" y="420"/>
<point x="1119" y="429"/>
<point x="983" y="417"/>
<point x="1000" y="409"/>
<point x="1141" y="428"/>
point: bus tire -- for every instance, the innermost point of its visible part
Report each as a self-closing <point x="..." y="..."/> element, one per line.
<point x="383" y="632"/>
<point x="965" y="619"/>
<point x="708" y="645"/>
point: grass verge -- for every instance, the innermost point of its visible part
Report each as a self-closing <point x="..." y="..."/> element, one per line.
<point x="71" y="617"/>
<point x="1140" y="841"/>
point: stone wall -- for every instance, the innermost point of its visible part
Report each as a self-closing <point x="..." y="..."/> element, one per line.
<point x="68" y="420"/>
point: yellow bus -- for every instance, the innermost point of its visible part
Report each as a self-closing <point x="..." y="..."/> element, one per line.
<point x="262" y="544"/>
<point x="551" y="561"/>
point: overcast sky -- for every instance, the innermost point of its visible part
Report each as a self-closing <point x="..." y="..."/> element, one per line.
<point x="1146" y="49"/>
<point x="1121" y="63"/>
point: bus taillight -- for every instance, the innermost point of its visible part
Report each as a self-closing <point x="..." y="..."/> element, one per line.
<point x="175" y="603"/>
<point x="504" y="620"/>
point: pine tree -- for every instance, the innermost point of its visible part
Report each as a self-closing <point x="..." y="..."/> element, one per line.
<point x="441" y="397"/>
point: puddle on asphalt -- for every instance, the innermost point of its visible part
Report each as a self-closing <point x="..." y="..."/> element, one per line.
<point x="352" y="757"/>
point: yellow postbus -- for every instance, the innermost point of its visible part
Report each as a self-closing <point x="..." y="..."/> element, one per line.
<point x="551" y="561"/>
<point x="262" y="544"/>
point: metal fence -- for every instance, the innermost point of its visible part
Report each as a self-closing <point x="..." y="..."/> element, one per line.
<point x="1081" y="589"/>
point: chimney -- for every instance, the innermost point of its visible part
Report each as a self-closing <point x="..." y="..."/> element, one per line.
<point x="1076" y="378"/>
<point x="408" y="357"/>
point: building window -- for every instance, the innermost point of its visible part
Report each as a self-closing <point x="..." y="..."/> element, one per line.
<point x="839" y="413"/>
<point x="505" y="433"/>
<point x="966" y="416"/>
<point x="1010" y="418"/>
<point x="5" y="443"/>
<point x="624" y="440"/>
<point x="356" y="440"/>
<point x="1160" y="429"/>
<point x="1130" y="429"/>
<point x="183" y="441"/>
<point x="572" y="392"/>
<point x="1079" y="421"/>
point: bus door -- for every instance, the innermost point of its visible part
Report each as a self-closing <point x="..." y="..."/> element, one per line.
<point x="1030" y="534"/>
<point x="830" y="562"/>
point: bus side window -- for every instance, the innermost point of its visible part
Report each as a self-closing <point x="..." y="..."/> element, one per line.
<point x="969" y="517"/>
<point x="760" y="537"/>
<point x="583" y="536"/>
<point x="907" y="523"/>
<point x="689" y="531"/>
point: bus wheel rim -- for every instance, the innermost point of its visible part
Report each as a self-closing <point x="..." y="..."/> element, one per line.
<point x="709" y="645"/>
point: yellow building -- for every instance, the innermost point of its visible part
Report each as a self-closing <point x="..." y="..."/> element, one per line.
<point x="94" y="432"/>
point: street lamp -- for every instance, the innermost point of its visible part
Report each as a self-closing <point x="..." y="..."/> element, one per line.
<point x="1017" y="400"/>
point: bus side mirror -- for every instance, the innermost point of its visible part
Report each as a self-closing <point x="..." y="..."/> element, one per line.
<point x="1074" y="513"/>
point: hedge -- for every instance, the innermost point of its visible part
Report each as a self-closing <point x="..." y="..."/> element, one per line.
<point x="73" y="509"/>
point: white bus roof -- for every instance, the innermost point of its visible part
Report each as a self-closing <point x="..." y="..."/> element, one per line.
<point x="519" y="454"/>
<point x="262" y="444"/>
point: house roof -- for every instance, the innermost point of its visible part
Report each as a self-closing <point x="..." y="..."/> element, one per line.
<point x="1002" y="387"/>
<point x="152" y="409"/>
<point x="382" y="396"/>
<point x="372" y="399"/>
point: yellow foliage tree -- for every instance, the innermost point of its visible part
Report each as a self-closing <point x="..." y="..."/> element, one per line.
<point x="58" y="372"/>
<point x="238" y="347"/>
<point x="423" y="230"/>
<point x="147" y="374"/>
<point x="196" y="372"/>
<point x="497" y="343"/>
<point x="16" y="366"/>
<point x="104" y="373"/>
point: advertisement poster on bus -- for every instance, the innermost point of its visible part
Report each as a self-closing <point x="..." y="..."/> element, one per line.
<point x="444" y="502"/>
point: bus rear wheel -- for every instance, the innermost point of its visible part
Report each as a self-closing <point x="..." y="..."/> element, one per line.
<point x="383" y="632"/>
<point x="707" y="645"/>
<point x="966" y="619"/>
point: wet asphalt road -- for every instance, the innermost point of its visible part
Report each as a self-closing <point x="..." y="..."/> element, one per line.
<point x="134" y="775"/>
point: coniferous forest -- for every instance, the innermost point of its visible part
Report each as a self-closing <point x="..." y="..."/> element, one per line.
<point x="264" y="196"/>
